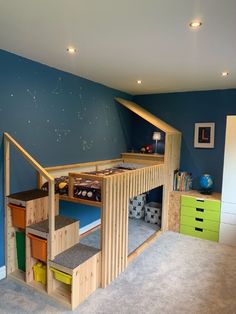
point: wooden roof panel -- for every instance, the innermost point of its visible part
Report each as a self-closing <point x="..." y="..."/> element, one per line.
<point x="146" y="115"/>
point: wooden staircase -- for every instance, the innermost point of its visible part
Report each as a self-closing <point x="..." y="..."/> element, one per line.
<point x="27" y="213"/>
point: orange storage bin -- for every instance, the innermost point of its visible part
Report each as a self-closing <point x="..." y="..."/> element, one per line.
<point x="18" y="216"/>
<point x="38" y="247"/>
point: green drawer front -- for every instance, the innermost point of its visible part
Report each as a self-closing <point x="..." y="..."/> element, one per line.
<point x="200" y="223"/>
<point x="200" y="213"/>
<point x="199" y="233"/>
<point x="200" y="203"/>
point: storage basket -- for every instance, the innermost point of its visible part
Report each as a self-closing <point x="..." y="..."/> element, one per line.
<point x="20" y="249"/>
<point x="60" y="276"/>
<point x="38" y="247"/>
<point x="136" y="206"/>
<point x="40" y="273"/>
<point x="153" y="213"/>
<point x="18" y="216"/>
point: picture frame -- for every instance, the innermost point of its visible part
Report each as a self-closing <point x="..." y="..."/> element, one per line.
<point x="204" y="135"/>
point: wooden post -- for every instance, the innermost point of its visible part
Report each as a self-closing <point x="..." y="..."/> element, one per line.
<point x="51" y="212"/>
<point x="6" y="192"/>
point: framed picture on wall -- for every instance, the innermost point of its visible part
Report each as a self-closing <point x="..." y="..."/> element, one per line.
<point x="204" y="135"/>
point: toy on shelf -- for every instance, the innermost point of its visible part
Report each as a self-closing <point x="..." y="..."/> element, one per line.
<point x="206" y="184"/>
<point x="147" y="149"/>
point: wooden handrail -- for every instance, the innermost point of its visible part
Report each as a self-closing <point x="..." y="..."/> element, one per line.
<point x="87" y="176"/>
<point x="84" y="164"/>
<point x="34" y="163"/>
<point x="51" y="192"/>
<point x="146" y="115"/>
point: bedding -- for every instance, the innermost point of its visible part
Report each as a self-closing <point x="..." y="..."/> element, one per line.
<point x="86" y="188"/>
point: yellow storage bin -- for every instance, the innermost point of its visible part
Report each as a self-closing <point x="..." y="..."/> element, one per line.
<point x="40" y="273"/>
<point x="60" y="276"/>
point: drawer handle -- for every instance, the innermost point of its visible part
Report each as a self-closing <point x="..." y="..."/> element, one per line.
<point x="199" y="219"/>
<point x="200" y="200"/>
<point x="200" y="210"/>
<point x="199" y="229"/>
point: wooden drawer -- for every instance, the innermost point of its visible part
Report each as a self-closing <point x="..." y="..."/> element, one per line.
<point x="199" y="233"/>
<point x="197" y="212"/>
<point x="201" y="203"/>
<point x="200" y="223"/>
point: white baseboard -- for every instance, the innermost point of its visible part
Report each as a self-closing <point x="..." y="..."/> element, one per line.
<point x="88" y="227"/>
<point x="2" y="272"/>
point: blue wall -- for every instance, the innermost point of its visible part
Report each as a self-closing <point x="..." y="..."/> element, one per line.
<point x="61" y="118"/>
<point x="183" y="110"/>
<point x="58" y="118"/>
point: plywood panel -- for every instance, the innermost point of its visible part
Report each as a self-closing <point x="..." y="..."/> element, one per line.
<point x="66" y="237"/>
<point x="174" y="211"/>
<point x="86" y="279"/>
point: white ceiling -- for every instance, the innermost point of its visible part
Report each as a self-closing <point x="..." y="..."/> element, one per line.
<point x="120" y="41"/>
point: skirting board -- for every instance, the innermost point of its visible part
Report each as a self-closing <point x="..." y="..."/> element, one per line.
<point x="88" y="227"/>
<point x="2" y="272"/>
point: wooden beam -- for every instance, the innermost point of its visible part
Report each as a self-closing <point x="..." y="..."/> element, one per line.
<point x="51" y="212"/>
<point x="83" y="164"/>
<point x="30" y="159"/>
<point x="144" y="245"/>
<point x="149" y="117"/>
<point x="6" y="191"/>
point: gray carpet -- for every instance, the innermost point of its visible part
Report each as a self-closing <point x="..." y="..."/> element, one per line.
<point x="139" y="231"/>
<point x="176" y="274"/>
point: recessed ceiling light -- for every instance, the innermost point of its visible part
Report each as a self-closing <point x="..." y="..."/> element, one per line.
<point x="225" y="73"/>
<point x="195" y="24"/>
<point x="139" y="81"/>
<point x="71" y="50"/>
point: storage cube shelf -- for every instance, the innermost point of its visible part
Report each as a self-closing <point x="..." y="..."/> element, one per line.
<point x="79" y="266"/>
<point x="76" y="270"/>
<point x="200" y="217"/>
<point x="23" y="209"/>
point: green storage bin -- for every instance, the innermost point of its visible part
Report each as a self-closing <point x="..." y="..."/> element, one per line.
<point x="20" y="248"/>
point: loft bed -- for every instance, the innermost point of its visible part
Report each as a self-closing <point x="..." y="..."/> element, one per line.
<point x="82" y="183"/>
<point x="148" y="171"/>
<point x="116" y="189"/>
<point x="113" y="182"/>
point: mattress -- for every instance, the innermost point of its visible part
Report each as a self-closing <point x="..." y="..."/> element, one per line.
<point x="86" y="188"/>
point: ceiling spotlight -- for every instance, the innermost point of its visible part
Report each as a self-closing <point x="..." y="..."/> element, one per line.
<point x="224" y="73"/>
<point x="195" y="24"/>
<point x="71" y="50"/>
<point x="139" y="81"/>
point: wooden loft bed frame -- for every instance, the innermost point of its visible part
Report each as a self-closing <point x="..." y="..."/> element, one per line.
<point x="116" y="191"/>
